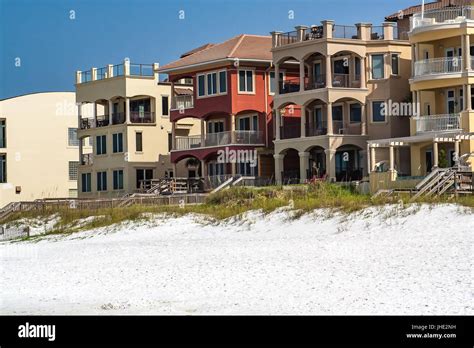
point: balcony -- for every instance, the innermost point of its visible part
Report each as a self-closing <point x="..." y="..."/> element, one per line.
<point x="293" y="131"/>
<point x="102" y="121"/>
<point x="182" y="102"/>
<point x="220" y="139"/>
<point x="442" y="16"/>
<point x="438" y="66"/>
<point x="438" y="123"/>
<point x="124" y="69"/>
<point x="87" y="159"/>
<point x="318" y="82"/>
<point x="142" y="117"/>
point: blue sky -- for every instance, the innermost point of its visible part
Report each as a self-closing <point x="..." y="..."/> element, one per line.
<point x="51" y="46"/>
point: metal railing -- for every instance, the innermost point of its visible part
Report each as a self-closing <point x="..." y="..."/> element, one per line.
<point x="289" y="38"/>
<point x="238" y="137"/>
<point x="141" y="70"/>
<point x="313" y="130"/>
<point x="341" y="80"/>
<point x="142" y="117"/>
<point x="441" y="16"/>
<point x="86" y="76"/>
<point x="102" y="73"/>
<point x="434" y="66"/>
<point x="317" y="82"/>
<point x="377" y="33"/>
<point x="102" y="121"/>
<point x="313" y="33"/>
<point x="87" y="123"/>
<point x="290" y="131"/>
<point x="399" y="34"/>
<point x="438" y="123"/>
<point x="345" y="32"/>
<point x="118" y="118"/>
<point x="87" y="159"/>
<point x="183" y="102"/>
<point x="289" y="87"/>
<point x="187" y="143"/>
<point x="118" y="70"/>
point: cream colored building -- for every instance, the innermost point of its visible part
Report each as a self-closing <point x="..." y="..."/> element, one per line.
<point x="129" y="129"/>
<point x="38" y="147"/>
<point x="336" y="78"/>
<point x="442" y="125"/>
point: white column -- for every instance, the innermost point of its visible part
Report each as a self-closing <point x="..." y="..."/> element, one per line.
<point x="127" y="110"/>
<point x="203" y="169"/>
<point x="111" y="108"/>
<point x="304" y="166"/>
<point x="418" y="103"/>
<point x="81" y="150"/>
<point x="303" y="121"/>
<point x="329" y="119"/>
<point x="467" y="52"/>
<point x="435" y="155"/>
<point x="363" y="124"/>
<point x="456" y="151"/>
<point x="232" y="128"/>
<point x="278" y="168"/>
<point x="392" y="158"/>
<point x="372" y="158"/>
<point x="302" y="76"/>
<point x="468" y="99"/>
<point x="331" y="164"/>
<point x="328" y="72"/>
<point x="276" y="113"/>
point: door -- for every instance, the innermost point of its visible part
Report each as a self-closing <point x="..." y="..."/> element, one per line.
<point x="143" y="174"/>
<point x="318" y="75"/>
<point x="318" y="121"/>
<point x="451" y="63"/>
<point x="429" y="161"/>
<point x="450" y="102"/>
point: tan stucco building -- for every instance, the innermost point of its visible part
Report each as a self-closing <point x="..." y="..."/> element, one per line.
<point x="129" y="129"/>
<point x="442" y="125"/>
<point x="38" y="147"/>
<point x="335" y="80"/>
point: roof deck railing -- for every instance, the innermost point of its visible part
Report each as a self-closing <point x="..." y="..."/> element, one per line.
<point x="123" y="69"/>
<point x="448" y="15"/>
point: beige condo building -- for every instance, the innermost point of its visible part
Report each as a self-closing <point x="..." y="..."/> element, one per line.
<point x="129" y="129"/>
<point x="38" y="147"/>
<point x="335" y="79"/>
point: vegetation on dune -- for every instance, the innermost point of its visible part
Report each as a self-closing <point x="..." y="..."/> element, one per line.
<point x="233" y="202"/>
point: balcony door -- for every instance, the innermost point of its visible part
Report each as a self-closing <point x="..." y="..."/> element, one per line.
<point x="215" y="126"/>
<point x="318" y="120"/>
<point x="450" y="102"/>
<point x="318" y="74"/>
<point x="248" y="123"/>
<point x="341" y="72"/>
<point x="337" y="118"/>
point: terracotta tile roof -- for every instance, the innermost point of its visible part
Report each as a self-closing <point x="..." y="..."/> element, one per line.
<point x="428" y="6"/>
<point x="183" y="91"/>
<point x="200" y="48"/>
<point x="243" y="46"/>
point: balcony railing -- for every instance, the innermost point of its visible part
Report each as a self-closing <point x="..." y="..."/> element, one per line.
<point x="142" y="117"/>
<point x="438" y="123"/>
<point x="441" y="16"/>
<point x="183" y="102"/>
<point x="345" y="32"/>
<point x="317" y="82"/>
<point x="237" y="137"/>
<point x="118" y="118"/>
<point x="289" y="38"/>
<point x="435" y="66"/>
<point x="87" y="159"/>
<point x="290" y="131"/>
<point x="289" y="87"/>
<point x="141" y="69"/>
<point x="341" y="80"/>
<point x="378" y="33"/>
<point x="313" y="130"/>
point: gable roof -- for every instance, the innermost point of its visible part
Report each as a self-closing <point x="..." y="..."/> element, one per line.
<point x="243" y="46"/>
<point x="436" y="5"/>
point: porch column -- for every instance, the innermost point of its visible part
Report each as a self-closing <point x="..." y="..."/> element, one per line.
<point x="435" y="155"/>
<point x="79" y="115"/>
<point x="203" y="168"/>
<point x="303" y="121"/>
<point x="277" y="79"/>
<point x="278" y="168"/>
<point x="363" y="123"/>
<point x="276" y="113"/>
<point x="302" y="76"/>
<point x="331" y="164"/>
<point x="127" y="110"/>
<point x="232" y="128"/>
<point x="173" y="135"/>
<point x="94" y="113"/>
<point x="363" y="80"/>
<point x="372" y="158"/>
<point x="363" y="162"/>
<point x="111" y="107"/>
<point x="468" y="100"/>
<point x="467" y="52"/>
<point x="304" y="166"/>
<point x="203" y="132"/>
<point x="418" y="103"/>
<point x="392" y="158"/>
<point x="329" y="119"/>
<point x="456" y="151"/>
<point x="328" y="72"/>
<point x="233" y="168"/>
<point x="81" y="150"/>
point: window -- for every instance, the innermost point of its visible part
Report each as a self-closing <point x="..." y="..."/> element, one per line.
<point x="357" y="68"/>
<point x="451" y="102"/>
<point x="117" y="140"/>
<point x="143" y="174"/>
<point x="248" y="123"/>
<point x="395" y="64"/>
<point x="222" y="81"/>
<point x="201" y="86"/>
<point x="101" y="181"/>
<point x="246" y="81"/>
<point x="273" y="82"/>
<point x="461" y="100"/>
<point x="355" y="113"/>
<point x="215" y="126"/>
<point x="138" y="141"/>
<point x="245" y="169"/>
<point x="377" y="67"/>
<point x="215" y="169"/>
<point x="165" y="105"/>
<point x="86" y="182"/>
<point x="3" y="168"/>
<point x="73" y="170"/>
<point x="118" y="179"/>
<point x="170" y="142"/>
<point x="72" y="137"/>
<point x="212" y="83"/>
<point x="3" y="134"/>
<point x="101" y="144"/>
<point x="377" y="111"/>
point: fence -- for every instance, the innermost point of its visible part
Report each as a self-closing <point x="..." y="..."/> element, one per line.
<point x="8" y="233"/>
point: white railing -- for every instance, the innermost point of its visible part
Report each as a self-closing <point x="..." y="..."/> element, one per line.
<point x="219" y="139"/>
<point x="442" y="16"/>
<point x="437" y="123"/>
<point x="182" y="102"/>
<point x="435" y="66"/>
